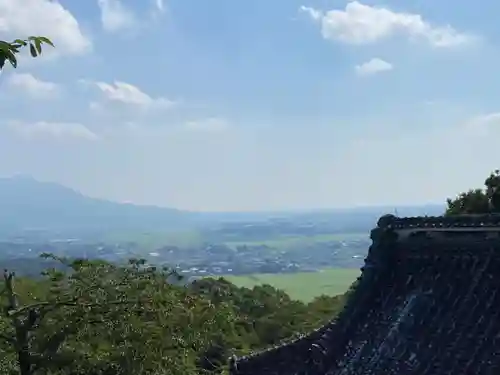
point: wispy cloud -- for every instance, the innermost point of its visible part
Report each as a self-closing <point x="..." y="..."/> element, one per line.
<point x="160" y="5"/>
<point x="484" y="124"/>
<point x="373" y="66"/>
<point x="363" y="24"/>
<point x="28" y="84"/>
<point x="128" y="94"/>
<point x="115" y="16"/>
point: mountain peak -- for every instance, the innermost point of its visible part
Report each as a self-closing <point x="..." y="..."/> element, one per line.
<point x="30" y="203"/>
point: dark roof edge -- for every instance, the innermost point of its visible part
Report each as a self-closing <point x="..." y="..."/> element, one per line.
<point x="373" y="267"/>
<point x="302" y="340"/>
<point x="309" y="341"/>
<point x="307" y="346"/>
<point x="429" y="222"/>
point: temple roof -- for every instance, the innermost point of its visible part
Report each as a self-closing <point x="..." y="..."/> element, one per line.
<point x="427" y="302"/>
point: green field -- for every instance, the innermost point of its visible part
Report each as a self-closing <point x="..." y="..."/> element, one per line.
<point x="192" y="238"/>
<point x="299" y="240"/>
<point x="304" y="285"/>
<point x="154" y="240"/>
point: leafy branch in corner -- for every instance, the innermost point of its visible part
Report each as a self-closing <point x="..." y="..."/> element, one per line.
<point x="9" y="50"/>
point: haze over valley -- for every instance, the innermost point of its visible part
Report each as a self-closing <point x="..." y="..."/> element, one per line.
<point x="41" y="217"/>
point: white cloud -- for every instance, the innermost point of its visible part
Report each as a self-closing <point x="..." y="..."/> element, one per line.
<point x="373" y="66"/>
<point x="363" y="24"/>
<point x="126" y="93"/>
<point x="115" y="16"/>
<point x="58" y="130"/>
<point x="214" y="124"/>
<point x="160" y="5"/>
<point x="32" y="86"/>
<point x="46" y="18"/>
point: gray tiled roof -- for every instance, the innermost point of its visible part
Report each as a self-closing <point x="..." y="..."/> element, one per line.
<point x="427" y="302"/>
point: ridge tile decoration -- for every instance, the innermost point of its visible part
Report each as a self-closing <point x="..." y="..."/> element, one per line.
<point x="427" y="302"/>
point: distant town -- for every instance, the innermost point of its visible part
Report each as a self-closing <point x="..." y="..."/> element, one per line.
<point x="40" y="217"/>
<point x="209" y="259"/>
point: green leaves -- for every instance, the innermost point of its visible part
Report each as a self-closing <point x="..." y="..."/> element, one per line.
<point x="7" y="53"/>
<point x="477" y="201"/>
<point x="98" y="314"/>
<point x="20" y="42"/>
<point x="8" y="50"/>
<point x="33" y="50"/>
<point x="100" y="318"/>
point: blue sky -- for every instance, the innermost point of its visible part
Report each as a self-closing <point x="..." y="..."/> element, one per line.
<point x="254" y="105"/>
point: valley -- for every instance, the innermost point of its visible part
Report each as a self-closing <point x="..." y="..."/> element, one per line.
<point x="305" y="253"/>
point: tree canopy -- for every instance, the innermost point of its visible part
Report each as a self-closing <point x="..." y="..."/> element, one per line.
<point x="478" y="201"/>
<point x="98" y="318"/>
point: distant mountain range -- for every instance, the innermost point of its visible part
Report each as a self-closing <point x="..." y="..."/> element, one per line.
<point x="28" y="205"/>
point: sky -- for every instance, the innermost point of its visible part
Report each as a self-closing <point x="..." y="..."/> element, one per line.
<point x="227" y="105"/>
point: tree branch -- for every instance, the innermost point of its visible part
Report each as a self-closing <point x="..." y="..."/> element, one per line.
<point x="71" y="302"/>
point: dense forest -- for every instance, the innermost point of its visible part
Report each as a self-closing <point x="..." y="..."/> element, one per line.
<point x="98" y="318"/>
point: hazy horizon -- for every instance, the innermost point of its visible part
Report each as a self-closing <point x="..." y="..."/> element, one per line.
<point x="263" y="211"/>
<point x="259" y="106"/>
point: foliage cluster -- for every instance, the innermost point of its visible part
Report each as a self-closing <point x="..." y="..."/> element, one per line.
<point x="9" y="50"/>
<point x="98" y="318"/>
<point x="478" y="201"/>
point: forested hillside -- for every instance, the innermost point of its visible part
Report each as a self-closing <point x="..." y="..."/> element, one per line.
<point x="97" y="318"/>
